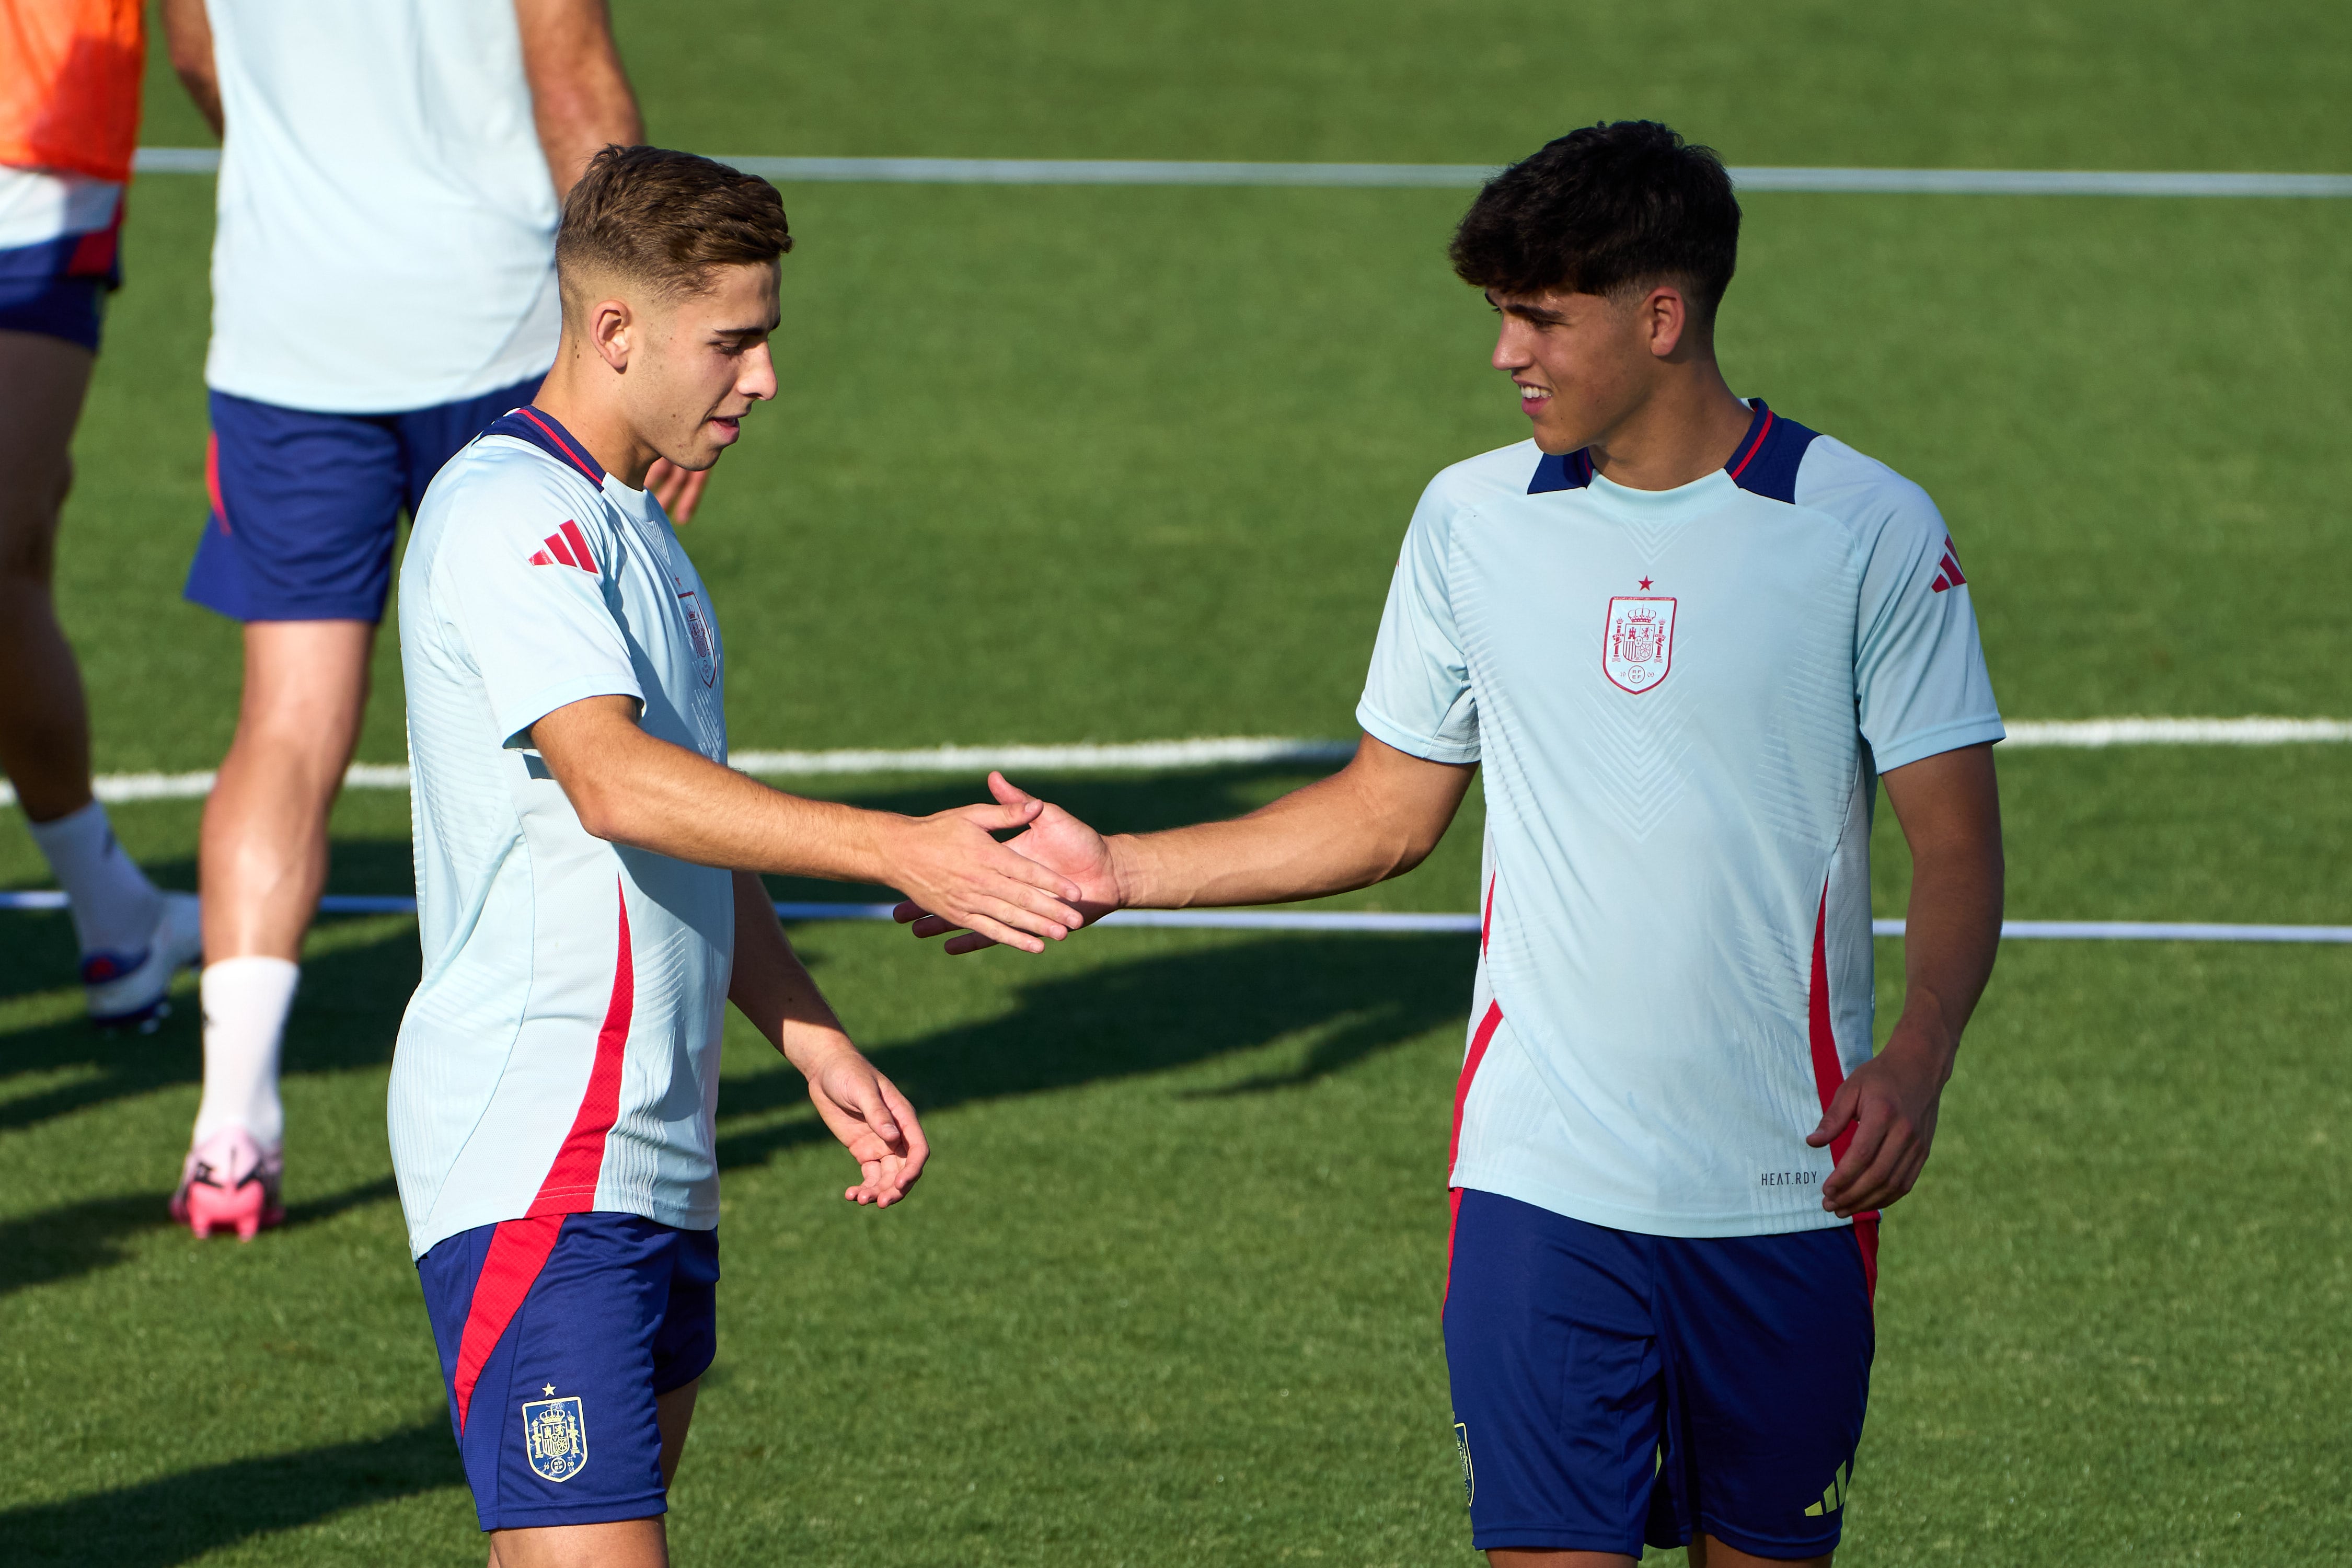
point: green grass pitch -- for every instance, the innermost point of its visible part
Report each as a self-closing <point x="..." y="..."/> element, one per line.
<point x="1122" y="463"/>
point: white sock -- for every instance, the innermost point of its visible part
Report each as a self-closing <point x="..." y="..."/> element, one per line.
<point x="115" y="907"/>
<point x="246" y="1001"/>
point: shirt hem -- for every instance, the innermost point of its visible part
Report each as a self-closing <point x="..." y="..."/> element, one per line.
<point x="422" y="1239"/>
<point x="312" y="397"/>
<point x="1380" y="727"/>
<point x="1943" y="738"/>
<point x="1640" y="1222"/>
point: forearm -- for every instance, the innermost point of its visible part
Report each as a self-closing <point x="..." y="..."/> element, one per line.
<point x="1376" y="818"/>
<point x="580" y="101"/>
<point x="1952" y="936"/>
<point x="188" y="35"/>
<point x="650" y="794"/>
<point x="772" y="987"/>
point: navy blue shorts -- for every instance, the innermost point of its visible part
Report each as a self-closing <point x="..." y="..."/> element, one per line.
<point x="59" y="287"/>
<point x="1612" y="1388"/>
<point x="304" y="506"/>
<point x="556" y="1336"/>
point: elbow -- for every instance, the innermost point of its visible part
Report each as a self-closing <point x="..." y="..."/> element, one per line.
<point x="601" y="813"/>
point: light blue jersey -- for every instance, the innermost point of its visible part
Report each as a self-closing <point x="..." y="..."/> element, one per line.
<point x="561" y="1054"/>
<point x="1680" y="702"/>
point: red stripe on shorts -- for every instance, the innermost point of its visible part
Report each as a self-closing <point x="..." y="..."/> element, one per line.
<point x="518" y="1249"/>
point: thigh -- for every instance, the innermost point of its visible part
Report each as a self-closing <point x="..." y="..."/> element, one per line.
<point x="1556" y="1379"/>
<point x="1768" y="1342"/>
<point x="429" y="438"/>
<point x="547" y="1331"/>
<point x="304" y="509"/>
<point x="43" y="380"/>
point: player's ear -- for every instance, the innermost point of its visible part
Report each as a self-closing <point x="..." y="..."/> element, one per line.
<point x="612" y="329"/>
<point x="1665" y="315"/>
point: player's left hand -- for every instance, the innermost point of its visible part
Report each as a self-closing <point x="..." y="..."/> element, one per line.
<point x="679" y="490"/>
<point x="873" y="1122"/>
<point x="1890" y="1102"/>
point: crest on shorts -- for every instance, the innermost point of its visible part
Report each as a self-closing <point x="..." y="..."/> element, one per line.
<point x="1469" y="1476"/>
<point x="555" y="1437"/>
<point x="1637" y="647"/>
<point x="697" y="632"/>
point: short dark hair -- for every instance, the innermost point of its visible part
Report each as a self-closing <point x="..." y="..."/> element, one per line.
<point x="1602" y="210"/>
<point x="667" y="219"/>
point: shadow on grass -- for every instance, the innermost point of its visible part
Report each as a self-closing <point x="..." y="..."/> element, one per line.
<point x="1362" y="994"/>
<point x="80" y="1238"/>
<point x="182" y="1517"/>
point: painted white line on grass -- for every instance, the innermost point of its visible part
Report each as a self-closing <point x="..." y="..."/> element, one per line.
<point x="1242" y="751"/>
<point x="1455" y="176"/>
<point x="1375" y="921"/>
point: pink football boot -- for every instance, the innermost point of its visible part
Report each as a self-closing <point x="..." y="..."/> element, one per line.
<point x="230" y="1182"/>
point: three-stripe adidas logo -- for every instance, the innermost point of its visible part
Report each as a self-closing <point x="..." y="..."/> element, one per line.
<point x="1835" y="1498"/>
<point x="1948" y="571"/>
<point x="567" y="546"/>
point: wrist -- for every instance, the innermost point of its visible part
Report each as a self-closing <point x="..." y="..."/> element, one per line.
<point x="1129" y="880"/>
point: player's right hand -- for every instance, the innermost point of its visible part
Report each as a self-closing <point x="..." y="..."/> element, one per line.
<point x="1056" y="840"/>
<point x="948" y="863"/>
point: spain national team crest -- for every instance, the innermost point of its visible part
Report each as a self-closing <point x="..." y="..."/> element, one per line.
<point x="697" y="632"/>
<point x="1637" y="648"/>
<point x="555" y="1437"/>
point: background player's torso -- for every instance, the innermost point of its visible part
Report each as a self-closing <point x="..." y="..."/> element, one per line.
<point x="566" y="979"/>
<point x="387" y="220"/>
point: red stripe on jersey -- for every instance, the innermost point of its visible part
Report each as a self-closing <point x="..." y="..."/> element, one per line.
<point x="559" y="550"/>
<point x="1761" y="431"/>
<point x="571" y="1184"/>
<point x="1829" y="1075"/>
<point x="211" y="477"/>
<point x="1478" y="1044"/>
<point x="563" y="445"/>
<point x="579" y="545"/>
<point x="517" y="1251"/>
<point x="1486" y="925"/>
<point x="543" y="558"/>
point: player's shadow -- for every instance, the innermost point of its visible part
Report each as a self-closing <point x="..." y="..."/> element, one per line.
<point x="1349" y="996"/>
<point x="182" y="1517"/>
<point x="79" y="1238"/>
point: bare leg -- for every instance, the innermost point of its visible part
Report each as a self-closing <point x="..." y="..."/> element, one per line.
<point x="1514" y="1559"/>
<point x="263" y="855"/>
<point x="44" y="722"/>
<point x="630" y="1544"/>
<point x="1705" y="1553"/>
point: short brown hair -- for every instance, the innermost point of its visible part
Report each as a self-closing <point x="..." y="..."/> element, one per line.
<point x="667" y="219"/>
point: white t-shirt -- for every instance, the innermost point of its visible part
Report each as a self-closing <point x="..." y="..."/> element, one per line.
<point x="561" y="1054"/>
<point x="1680" y="702"/>
<point x="387" y="221"/>
<point x="41" y="207"/>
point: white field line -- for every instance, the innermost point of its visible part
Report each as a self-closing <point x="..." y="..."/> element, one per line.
<point x="1364" y="921"/>
<point x="1239" y="751"/>
<point x="1462" y="176"/>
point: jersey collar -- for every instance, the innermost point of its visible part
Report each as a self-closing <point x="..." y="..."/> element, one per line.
<point x="539" y="428"/>
<point x="1764" y="461"/>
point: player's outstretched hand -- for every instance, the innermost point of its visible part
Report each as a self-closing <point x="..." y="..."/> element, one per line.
<point x="1890" y="1102"/>
<point x="873" y="1122"/>
<point x="948" y="863"/>
<point x="1055" y="840"/>
<point x="679" y="490"/>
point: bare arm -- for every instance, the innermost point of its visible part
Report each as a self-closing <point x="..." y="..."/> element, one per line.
<point x="580" y="95"/>
<point x="188" y="34"/>
<point x="1378" y="817"/>
<point x="864" y="1109"/>
<point x="1950" y="807"/>
<point x="631" y="788"/>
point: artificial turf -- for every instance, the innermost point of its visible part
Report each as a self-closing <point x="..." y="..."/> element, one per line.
<point x="1119" y="464"/>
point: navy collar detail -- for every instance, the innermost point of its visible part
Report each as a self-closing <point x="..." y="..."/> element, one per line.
<point x="539" y="428"/>
<point x="1765" y="462"/>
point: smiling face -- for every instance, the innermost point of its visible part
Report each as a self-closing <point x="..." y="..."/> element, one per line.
<point x="693" y="366"/>
<point x="1584" y="364"/>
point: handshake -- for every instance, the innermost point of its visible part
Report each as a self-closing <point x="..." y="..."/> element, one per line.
<point x="1057" y="876"/>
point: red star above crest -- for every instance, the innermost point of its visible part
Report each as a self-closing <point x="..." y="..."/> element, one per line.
<point x="1645" y="581"/>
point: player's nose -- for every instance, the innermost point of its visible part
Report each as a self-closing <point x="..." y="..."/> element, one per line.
<point x="758" y="379"/>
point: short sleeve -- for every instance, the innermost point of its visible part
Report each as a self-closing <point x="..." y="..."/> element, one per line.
<point x="524" y="585"/>
<point x="1417" y="696"/>
<point x="1920" y="684"/>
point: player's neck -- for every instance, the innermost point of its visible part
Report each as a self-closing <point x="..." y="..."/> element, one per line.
<point x="590" y="409"/>
<point x="1685" y="429"/>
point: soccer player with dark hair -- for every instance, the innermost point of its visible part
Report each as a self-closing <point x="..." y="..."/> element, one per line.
<point x="1688" y="638"/>
<point x="588" y="889"/>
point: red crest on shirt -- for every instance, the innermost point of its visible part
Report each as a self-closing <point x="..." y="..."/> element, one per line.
<point x="1637" y="647"/>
